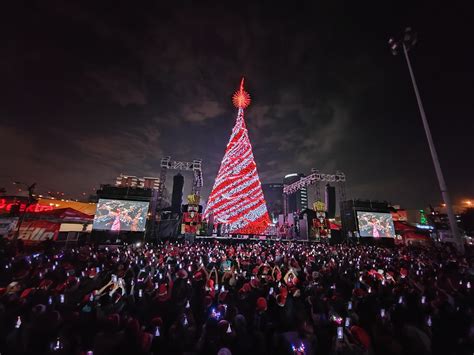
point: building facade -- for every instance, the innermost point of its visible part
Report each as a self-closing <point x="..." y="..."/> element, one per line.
<point x="146" y="182"/>
<point x="273" y="193"/>
<point x="298" y="201"/>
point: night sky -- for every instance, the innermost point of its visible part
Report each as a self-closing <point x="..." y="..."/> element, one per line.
<point x="93" y="89"/>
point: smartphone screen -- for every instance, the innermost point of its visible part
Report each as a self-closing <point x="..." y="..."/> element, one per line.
<point x="340" y="334"/>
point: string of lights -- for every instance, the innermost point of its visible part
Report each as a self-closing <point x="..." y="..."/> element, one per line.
<point x="236" y="199"/>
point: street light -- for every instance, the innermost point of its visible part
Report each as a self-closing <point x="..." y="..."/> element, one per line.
<point x="406" y="42"/>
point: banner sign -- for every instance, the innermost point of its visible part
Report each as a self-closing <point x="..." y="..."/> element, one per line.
<point x="6" y="206"/>
<point x="32" y="232"/>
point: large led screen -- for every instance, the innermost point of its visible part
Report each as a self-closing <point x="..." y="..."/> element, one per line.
<point x="120" y="215"/>
<point x="375" y="224"/>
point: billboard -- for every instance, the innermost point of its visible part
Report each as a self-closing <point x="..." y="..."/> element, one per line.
<point x="120" y="215"/>
<point x="33" y="232"/>
<point x="375" y="224"/>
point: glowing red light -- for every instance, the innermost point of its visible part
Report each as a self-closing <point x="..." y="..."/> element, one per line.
<point x="241" y="98"/>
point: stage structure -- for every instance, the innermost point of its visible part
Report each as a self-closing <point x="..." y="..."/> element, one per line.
<point x="315" y="178"/>
<point x="236" y="201"/>
<point x="168" y="164"/>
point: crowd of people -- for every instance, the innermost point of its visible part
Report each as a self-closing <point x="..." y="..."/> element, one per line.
<point x="237" y="298"/>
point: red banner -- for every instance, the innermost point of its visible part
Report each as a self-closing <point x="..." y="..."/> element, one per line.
<point x="7" y="204"/>
<point x="32" y="232"/>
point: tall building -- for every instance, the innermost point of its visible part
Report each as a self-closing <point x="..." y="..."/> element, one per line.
<point x="149" y="182"/>
<point x="274" y="196"/>
<point x="177" y="194"/>
<point x="133" y="181"/>
<point x="298" y="201"/>
<point x="126" y="181"/>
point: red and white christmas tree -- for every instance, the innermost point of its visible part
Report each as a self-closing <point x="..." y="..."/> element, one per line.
<point x="237" y="199"/>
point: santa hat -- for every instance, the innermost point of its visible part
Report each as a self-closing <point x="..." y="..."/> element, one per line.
<point x="92" y="273"/>
<point x="403" y="272"/>
<point x="261" y="304"/>
<point x="255" y="283"/>
<point x="198" y="276"/>
<point x="182" y="274"/>
<point x="361" y="336"/>
<point x="281" y="300"/>
<point x="26" y="292"/>
<point x="210" y="285"/>
<point x="162" y="293"/>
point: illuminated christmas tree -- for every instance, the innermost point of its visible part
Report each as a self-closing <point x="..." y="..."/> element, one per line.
<point x="237" y="199"/>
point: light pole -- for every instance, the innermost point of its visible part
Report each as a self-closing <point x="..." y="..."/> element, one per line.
<point x="406" y="42"/>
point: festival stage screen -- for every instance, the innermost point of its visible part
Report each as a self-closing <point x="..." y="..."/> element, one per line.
<point x="375" y="224"/>
<point x="120" y="215"/>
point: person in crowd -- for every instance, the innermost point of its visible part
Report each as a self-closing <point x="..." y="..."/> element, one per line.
<point x="237" y="298"/>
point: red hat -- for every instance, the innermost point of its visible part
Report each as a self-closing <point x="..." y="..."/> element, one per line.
<point x="246" y="287"/>
<point x="26" y="292"/>
<point x="403" y="272"/>
<point x="361" y="335"/>
<point x="261" y="304"/>
<point x="281" y="300"/>
<point x="157" y="322"/>
<point x="284" y="291"/>
<point x="255" y="283"/>
<point x="61" y="287"/>
<point x="45" y="284"/>
<point x="92" y="273"/>
<point x="182" y="274"/>
<point x="198" y="276"/>
<point x="162" y="293"/>
<point x="87" y="297"/>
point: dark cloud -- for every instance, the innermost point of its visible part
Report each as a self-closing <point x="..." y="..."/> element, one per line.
<point x="92" y="90"/>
